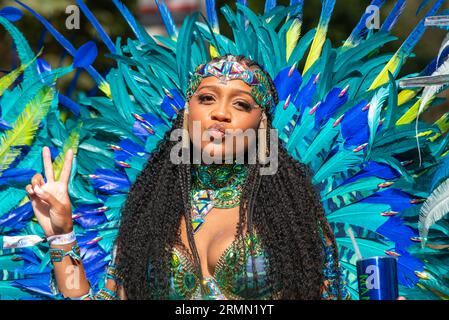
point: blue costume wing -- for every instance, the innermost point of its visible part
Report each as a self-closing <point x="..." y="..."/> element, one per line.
<point x="341" y="112"/>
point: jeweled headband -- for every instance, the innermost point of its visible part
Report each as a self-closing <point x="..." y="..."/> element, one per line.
<point x="232" y="70"/>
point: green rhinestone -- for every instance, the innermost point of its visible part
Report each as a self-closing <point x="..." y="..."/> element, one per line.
<point x="189" y="281"/>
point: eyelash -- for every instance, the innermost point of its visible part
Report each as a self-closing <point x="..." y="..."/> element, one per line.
<point x="208" y="98"/>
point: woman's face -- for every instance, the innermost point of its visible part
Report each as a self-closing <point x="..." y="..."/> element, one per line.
<point x="217" y="109"/>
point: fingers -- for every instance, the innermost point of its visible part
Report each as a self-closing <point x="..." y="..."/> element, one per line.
<point x="65" y="172"/>
<point x="37" y="180"/>
<point x="48" y="166"/>
<point x="29" y="190"/>
<point x="49" y="198"/>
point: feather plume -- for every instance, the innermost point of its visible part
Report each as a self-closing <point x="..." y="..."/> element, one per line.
<point x="374" y="111"/>
<point x="170" y="25"/>
<point x="212" y="15"/>
<point x="24" y="128"/>
<point x="361" y="28"/>
<point x="93" y="20"/>
<point x="434" y="209"/>
<point x="394" y="15"/>
<point x="399" y="58"/>
<point x="320" y="37"/>
<point x="9" y="79"/>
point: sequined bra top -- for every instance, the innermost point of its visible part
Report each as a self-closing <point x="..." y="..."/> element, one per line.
<point x="233" y="275"/>
<point x="229" y="281"/>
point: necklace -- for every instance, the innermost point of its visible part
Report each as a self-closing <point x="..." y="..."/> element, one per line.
<point x="215" y="186"/>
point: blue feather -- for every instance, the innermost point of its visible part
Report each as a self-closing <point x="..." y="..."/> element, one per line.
<point x="170" y="103"/>
<point x="170" y="25"/>
<point x="110" y="182"/>
<point x="17" y="218"/>
<point x="93" y="20"/>
<point x="394" y="15"/>
<point x="269" y="5"/>
<point x="411" y="41"/>
<point x="85" y="55"/>
<point x="69" y="104"/>
<point x="398" y="199"/>
<point x="297" y="10"/>
<point x="41" y="41"/>
<point x="63" y="41"/>
<point x="135" y="27"/>
<point x="305" y="96"/>
<point x="422" y="5"/>
<point x="360" y="30"/>
<point x="331" y="103"/>
<point x="4" y="125"/>
<point x="287" y="84"/>
<point x="12" y="14"/>
<point x="16" y="177"/>
<point x="396" y="231"/>
<point x="212" y="14"/>
<point x="354" y="126"/>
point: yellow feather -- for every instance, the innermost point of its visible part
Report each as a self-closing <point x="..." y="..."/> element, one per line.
<point x="382" y="78"/>
<point x="71" y="143"/>
<point x="9" y="79"/>
<point x="25" y="127"/>
<point x="106" y="89"/>
<point x="411" y="113"/>
<point x="292" y="36"/>
<point x="315" y="50"/>
<point x="213" y="52"/>
<point x="406" y="95"/>
<point x="443" y="123"/>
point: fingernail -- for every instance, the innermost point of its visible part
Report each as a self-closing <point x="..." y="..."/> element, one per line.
<point x="38" y="190"/>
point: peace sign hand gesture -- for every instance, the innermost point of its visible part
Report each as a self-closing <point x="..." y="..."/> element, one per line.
<point x="50" y="201"/>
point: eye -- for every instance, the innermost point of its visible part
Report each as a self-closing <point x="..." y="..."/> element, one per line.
<point x="206" y="98"/>
<point x="242" y="105"/>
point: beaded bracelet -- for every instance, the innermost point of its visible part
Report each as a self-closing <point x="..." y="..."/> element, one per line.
<point x="56" y="255"/>
<point x="106" y="294"/>
<point x="113" y="274"/>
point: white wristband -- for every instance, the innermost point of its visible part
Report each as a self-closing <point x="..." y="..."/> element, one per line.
<point x="62" y="239"/>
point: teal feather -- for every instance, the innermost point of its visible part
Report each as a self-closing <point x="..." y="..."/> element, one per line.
<point x="23" y="50"/>
<point x="341" y="161"/>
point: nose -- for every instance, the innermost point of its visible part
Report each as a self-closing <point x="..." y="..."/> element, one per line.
<point x="221" y="113"/>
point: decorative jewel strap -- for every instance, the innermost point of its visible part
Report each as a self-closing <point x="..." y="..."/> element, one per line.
<point x="56" y="255"/>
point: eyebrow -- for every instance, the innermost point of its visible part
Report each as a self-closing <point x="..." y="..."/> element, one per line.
<point x="216" y="88"/>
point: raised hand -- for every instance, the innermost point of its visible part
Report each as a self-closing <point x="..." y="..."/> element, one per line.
<point x="50" y="200"/>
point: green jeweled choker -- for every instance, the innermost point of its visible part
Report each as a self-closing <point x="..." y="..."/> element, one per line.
<point x="215" y="186"/>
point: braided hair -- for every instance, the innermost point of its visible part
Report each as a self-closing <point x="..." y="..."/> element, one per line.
<point x="284" y="209"/>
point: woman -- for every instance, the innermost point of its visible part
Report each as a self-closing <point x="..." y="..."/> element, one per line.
<point x="210" y="231"/>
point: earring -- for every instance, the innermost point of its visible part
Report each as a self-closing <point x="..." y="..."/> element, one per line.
<point x="185" y="131"/>
<point x="262" y="139"/>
